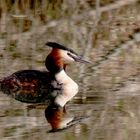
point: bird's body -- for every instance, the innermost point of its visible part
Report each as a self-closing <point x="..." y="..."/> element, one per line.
<point x="30" y="86"/>
<point x="33" y="86"/>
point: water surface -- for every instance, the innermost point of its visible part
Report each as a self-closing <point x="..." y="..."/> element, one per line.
<point x="109" y="91"/>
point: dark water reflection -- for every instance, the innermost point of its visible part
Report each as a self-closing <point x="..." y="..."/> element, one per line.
<point x="109" y="88"/>
<point x="19" y="121"/>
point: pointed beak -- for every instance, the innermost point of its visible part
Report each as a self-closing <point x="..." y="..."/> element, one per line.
<point x="79" y="59"/>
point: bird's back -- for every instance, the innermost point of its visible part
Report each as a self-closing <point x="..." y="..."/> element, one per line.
<point x="30" y="86"/>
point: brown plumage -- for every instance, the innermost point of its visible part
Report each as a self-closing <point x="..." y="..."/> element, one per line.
<point x="30" y="86"/>
<point x="54" y="61"/>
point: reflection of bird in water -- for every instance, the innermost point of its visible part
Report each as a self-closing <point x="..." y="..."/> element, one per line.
<point x="59" y="119"/>
<point x="33" y="86"/>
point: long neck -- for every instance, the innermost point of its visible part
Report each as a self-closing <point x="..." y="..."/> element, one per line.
<point x="62" y="77"/>
<point x="54" y="62"/>
<point x="56" y="66"/>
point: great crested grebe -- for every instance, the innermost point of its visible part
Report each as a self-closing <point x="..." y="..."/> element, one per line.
<point x="33" y="86"/>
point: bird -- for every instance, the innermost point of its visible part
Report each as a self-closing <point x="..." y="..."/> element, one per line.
<point x="35" y="86"/>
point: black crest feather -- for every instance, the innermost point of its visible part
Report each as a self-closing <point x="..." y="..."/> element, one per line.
<point x="59" y="46"/>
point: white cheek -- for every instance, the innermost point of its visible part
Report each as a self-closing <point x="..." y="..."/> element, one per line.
<point x="65" y="56"/>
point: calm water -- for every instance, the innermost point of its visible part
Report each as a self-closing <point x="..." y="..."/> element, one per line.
<point x="109" y="91"/>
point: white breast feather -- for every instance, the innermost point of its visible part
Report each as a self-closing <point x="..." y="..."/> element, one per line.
<point x="69" y="88"/>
